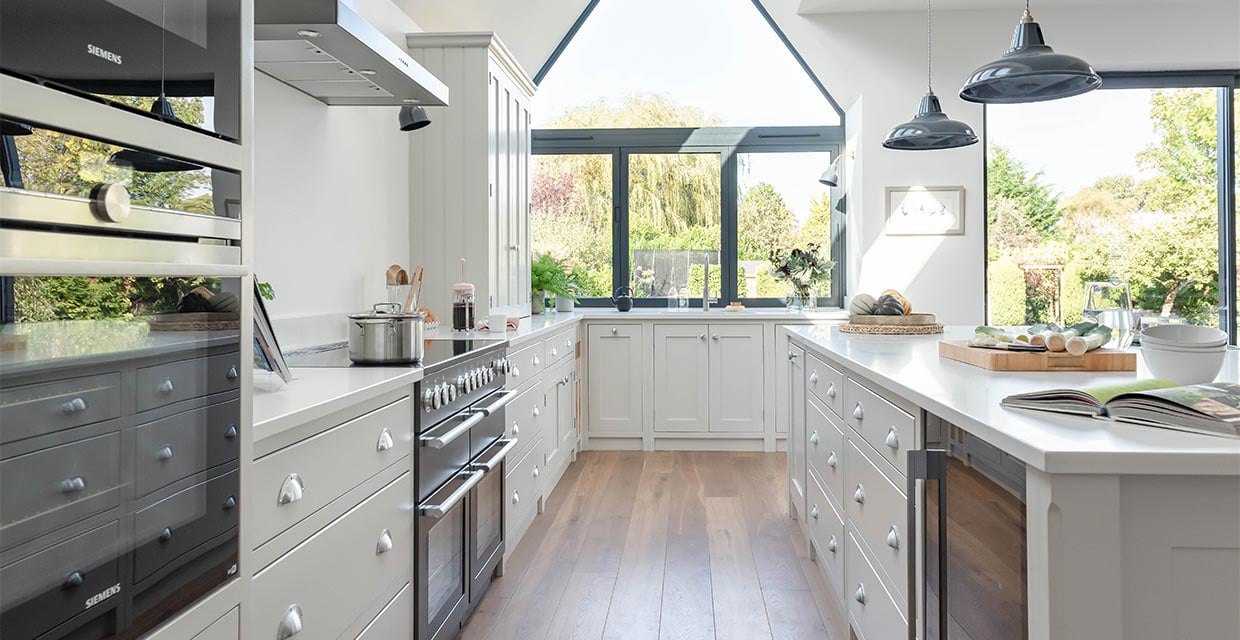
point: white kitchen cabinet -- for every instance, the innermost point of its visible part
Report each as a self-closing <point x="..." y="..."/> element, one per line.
<point x="796" y="428"/>
<point x="681" y="365"/>
<point x="470" y="174"/>
<point x="736" y="378"/>
<point x="559" y="434"/>
<point x="615" y="378"/>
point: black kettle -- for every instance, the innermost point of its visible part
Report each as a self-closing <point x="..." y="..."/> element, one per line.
<point x="622" y="298"/>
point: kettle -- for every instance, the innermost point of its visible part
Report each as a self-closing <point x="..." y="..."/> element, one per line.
<point x="622" y="298"/>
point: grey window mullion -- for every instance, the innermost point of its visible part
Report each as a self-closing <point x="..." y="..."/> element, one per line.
<point x="620" y="225"/>
<point x="1227" y="210"/>
<point x="728" y="228"/>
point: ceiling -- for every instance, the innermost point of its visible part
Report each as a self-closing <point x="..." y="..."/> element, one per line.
<point x="861" y="6"/>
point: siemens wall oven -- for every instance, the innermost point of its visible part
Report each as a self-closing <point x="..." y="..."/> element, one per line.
<point x="967" y="504"/>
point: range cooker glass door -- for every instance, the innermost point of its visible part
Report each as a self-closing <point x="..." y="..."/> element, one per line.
<point x="972" y="579"/>
<point x="486" y="512"/>
<point x="443" y="559"/>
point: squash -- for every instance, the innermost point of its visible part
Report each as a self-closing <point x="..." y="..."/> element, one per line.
<point x="908" y="306"/>
<point x="862" y="304"/>
<point x="888" y="305"/>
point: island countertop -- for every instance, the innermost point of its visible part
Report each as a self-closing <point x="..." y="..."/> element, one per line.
<point x="968" y="396"/>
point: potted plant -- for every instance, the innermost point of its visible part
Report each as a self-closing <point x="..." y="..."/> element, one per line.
<point x="802" y="269"/>
<point x="547" y="277"/>
<point x="567" y="303"/>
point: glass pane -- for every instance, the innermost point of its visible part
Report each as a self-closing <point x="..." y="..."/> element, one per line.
<point x="674" y="218"/>
<point x="490" y="512"/>
<point x="683" y="74"/>
<point x="1117" y="185"/>
<point x="570" y="217"/>
<point x="780" y="206"/>
<point x="445" y="571"/>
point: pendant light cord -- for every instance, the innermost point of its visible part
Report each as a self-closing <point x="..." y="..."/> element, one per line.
<point x="929" y="51"/>
<point x="163" y="44"/>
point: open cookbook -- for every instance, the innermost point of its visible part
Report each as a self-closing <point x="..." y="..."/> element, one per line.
<point x="1212" y="409"/>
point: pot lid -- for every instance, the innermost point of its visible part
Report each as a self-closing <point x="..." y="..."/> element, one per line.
<point x="387" y="311"/>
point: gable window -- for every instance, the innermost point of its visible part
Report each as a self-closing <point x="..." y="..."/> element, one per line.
<point x="670" y="164"/>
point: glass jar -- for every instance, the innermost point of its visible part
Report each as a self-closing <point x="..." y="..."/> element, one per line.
<point x="464" y="307"/>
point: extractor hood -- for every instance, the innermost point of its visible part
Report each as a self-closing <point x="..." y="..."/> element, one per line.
<point x="325" y="49"/>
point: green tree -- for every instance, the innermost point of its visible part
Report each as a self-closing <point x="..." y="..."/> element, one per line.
<point x="763" y="223"/>
<point x="1009" y="179"/>
<point x="817" y="228"/>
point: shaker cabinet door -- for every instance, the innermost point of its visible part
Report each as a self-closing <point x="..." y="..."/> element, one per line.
<point x="736" y="378"/>
<point x="615" y="379"/>
<point x="681" y="377"/>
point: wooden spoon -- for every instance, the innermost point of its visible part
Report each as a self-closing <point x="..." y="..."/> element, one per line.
<point x="391" y="274"/>
<point x="415" y="289"/>
<point x="402" y="277"/>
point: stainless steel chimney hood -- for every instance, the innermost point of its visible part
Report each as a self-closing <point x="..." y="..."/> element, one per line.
<point x="324" y="49"/>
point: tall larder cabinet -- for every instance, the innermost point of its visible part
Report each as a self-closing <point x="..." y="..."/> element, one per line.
<point x="470" y="174"/>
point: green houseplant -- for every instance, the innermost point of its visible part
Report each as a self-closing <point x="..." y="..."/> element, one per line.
<point x="548" y="277"/>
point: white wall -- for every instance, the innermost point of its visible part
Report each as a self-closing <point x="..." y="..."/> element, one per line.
<point x="331" y="201"/>
<point x="874" y="63"/>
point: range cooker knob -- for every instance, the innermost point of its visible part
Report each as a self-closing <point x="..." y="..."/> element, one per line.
<point x="450" y="392"/>
<point x="476" y="376"/>
<point x="441" y="396"/>
<point x="428" y="399"/>
<point x="462" y="383"/>
<point x="489" y="374"/>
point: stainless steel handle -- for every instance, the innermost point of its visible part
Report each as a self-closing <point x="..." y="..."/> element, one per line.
<point x="165" y="453"/>
<point x="516" y="428"/>
<point x="813" y="377"/>
<point x="231" y="433"/>
<point x="166" y="386"/>
<point x="831" y="461"/>
<point x="925" y="465"/>
<point x="291" y="490"/>
<point x="554" y="352"/>
<point x="75" y="579"/>
<point x="859" y="596"/>
<point x="701" y="336"/>
<point x="614" y="331"/>
<point x="291" y="624"/>
<point x="535" y="472"/>
<point x="516" y="497"/>
<point x="490" y="465"/>
<point x="536" y="361"/>
<point x="536" y="412"/>
<point x="893" y="537"/>
<point x="813" y="438"/>
<point x="813" y="512"/>
<point x="165" y="535"/>
<point x="76" y="405"/>
<point x="505" y="397"/>
<point x="832" y="545"/>
<point x="439" y="442"/>
<point x="232" y="373"/>
<point x="441" y="509"/>
<point x="893" y="440"/>
<point x="385" y="441"/>
<point x="858" y="412"/>
<point x="792" y="355"/>
<point x="831" y="390"/>
<point x="859" y="494"/>
<point x="715" y="337"/>
<point x="384" y="544"/>
<point x="230" y="503"/>
<point x="72" y="485"/>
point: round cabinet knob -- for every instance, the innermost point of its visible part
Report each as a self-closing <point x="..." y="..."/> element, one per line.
<point x="792" y="355"/>
<point x="813" y="438"/>
<point x="110" y="202"/>
<point x="813" y="377"/>
<point x="614" y="331"/>
<point x="291" y="490"/>
<point x="832" y="545"/>
<point x="74" y="580"/>
<point x="165" y="453"/>
<point x="831" y="391"/>
<point x="858" y="412"/>
<point x="166" y="386"/>
<point x="384" y="543"/>
<point x="893" y="537"/>
<point x="165" y="535"/>
<point x="893" y="440"/>
<point x="385" y="441"/>
<point x="232" y="373"/>
<point x="813" y="512"/>
<point x="859" y="596"/>
<point x="859" y="495"/>
<point x="72" y="485"/>
<point x="715" y="337"/>
<point x="516" y="497"/>
<point x="831" y="460"/>
<point x="701" y="336"/>
<point x="290" y="625"/>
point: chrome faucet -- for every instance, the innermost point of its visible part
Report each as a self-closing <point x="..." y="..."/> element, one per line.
<point x="706" y="284"/>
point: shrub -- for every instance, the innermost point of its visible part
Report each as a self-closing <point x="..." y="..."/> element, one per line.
<point x="1006" y="293"/>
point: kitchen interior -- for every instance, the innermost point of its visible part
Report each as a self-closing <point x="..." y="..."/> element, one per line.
<point x="390" y="319"/>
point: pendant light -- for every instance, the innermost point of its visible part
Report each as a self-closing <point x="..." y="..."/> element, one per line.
<point x="831" y="177"/>
<point x="413" y="118"/>
<point x="1030" y="71"/>
<point x="930" y="129"/>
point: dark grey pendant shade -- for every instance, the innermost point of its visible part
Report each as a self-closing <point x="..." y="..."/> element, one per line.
<point x="413" y="118"/>
<point x="1030" y="71"/>
<point x="930" y="130"/>
<point x="148" y="162"/>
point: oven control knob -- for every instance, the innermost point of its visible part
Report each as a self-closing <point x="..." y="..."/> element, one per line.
<point x="110" y="202"/>
<point x="450" y="392"/>
<point x="476" y="374"/>
<point x="489" y="373"/>
<point x="441" y="396"/>
<point x="428" y="399"/>
<point x="462" y="384"/>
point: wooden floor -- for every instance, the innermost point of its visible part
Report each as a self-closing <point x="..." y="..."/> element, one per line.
<point x="662" y="545"/>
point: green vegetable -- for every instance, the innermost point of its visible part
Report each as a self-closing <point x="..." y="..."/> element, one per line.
<point x="991" y="331"/>
<point x="862" y="304"/>
<point x="1059" y="341"/>
<point x="1090" y="340"/>
<point x="888" y="306"/>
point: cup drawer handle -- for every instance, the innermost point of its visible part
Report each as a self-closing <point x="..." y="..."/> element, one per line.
<point x="385" y="441"/>
<point x="893" y="440"/>
<point x="72" y="485"/>
<point x="832" y="545"/>
<point x="831" y="391"/>
<point x="859" y="596"/>
<point x="831" y="462"/>
<point x="813" y="512"/>
<point x="859" y="495"/>
<point x="232" y="373"/>
<point x="858" y="412"/>
<point x="813" y="438"/>
<point x="384" y="544"/>
<point x="291" y="624"/>
<point x="75" y="580"/>
<point x="76" y="405"/>
<point x="292" y="490"/>
<point x="813" y="377"/>
<point x="893" y="537"/>
<point x="166" y="386"/>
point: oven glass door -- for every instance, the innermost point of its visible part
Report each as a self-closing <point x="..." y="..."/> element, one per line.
<point x="973" y="519"/>
<point x="132" y="52"/>
<point x="487" y="515"/>
<point x="443" y="569"/>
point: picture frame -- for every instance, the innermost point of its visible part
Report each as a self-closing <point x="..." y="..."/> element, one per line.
<point x="925" y="211"/>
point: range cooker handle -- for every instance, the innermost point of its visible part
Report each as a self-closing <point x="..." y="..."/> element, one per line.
<point x="499" y="456"/>
<point x="441" y="509"/>
<point x="439" y="442"/>
<point x="505" y="396"/>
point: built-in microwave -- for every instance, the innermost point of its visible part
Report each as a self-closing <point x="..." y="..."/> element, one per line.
<point x="178" y="61"/>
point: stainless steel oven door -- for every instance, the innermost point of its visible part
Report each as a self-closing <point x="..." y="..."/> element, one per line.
<point x="442" y="558"/>
<point x="486" y="517"/>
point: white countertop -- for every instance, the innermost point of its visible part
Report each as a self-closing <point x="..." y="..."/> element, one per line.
<point x="318" y="392"/>
<point x="967" y="396"/>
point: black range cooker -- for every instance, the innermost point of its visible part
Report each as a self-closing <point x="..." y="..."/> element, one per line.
<point x="459" y="467"/>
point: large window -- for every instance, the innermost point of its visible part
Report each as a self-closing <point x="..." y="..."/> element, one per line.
<point x="1133" y="183"/>
<point x="650" y="173"/>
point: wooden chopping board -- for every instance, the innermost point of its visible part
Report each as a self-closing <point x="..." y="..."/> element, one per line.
<point x="996" y="360"/>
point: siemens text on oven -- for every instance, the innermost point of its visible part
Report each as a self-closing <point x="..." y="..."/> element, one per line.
<point x="103" y="53"/>
<point x="103" y="595"/>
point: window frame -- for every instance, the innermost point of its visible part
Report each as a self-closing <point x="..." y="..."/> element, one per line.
<point x="728" y="142"/>
<point x="1227" y="83"/>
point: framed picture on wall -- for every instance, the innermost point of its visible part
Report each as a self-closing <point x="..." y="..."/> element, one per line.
<point x="925" y="211"/>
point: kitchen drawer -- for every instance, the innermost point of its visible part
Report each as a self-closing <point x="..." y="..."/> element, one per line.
<point x="226" y="628"/>
<point x="395" y="621"/>
<point x="292" y="483"/>
<point x="523" y="420"/>
<point x="527" y="364"/>
<point x="878" y="509"/>
<point x="523" y="486"/>
<point x="885" y="426"/>
<point x="55" y="584"/>
<point x="176" y="381"/>
<point x="826" y="529"/>
<point x="52" y="487"/>
<point x="39" y="409"/>
<point x="559" y="347"/>
<point x="824" y="447"/>
<point x="181" y="445"/>
<point x="825" y="383"/>
<point x="871" y="607"/>
<point x="330" y="579"/>
<point x="178" y="524"/>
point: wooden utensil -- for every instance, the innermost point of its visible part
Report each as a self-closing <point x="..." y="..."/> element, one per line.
<point x="391" y="274"/>
<point x="415" y="289"/>
<point x="402" y="277"/>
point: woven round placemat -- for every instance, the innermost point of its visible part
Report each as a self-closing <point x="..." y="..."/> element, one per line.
<point x="892" y="330"/>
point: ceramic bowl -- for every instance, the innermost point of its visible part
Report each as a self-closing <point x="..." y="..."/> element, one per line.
<point x="1183" y="335"/>
<point x="1183" y="367"/>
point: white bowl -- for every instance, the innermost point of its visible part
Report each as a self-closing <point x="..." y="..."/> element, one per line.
<point x="1185" y="349"/>
<point x="1183" y="367"/>
<point x="1186" y="335"/>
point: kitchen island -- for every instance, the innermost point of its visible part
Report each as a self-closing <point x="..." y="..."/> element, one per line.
<point x="1102" y="529"/>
